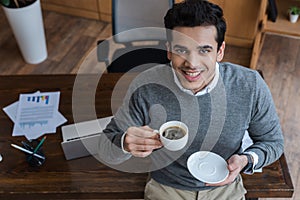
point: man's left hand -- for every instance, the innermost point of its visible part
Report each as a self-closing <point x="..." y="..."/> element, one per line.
<point x="235" y="165"/>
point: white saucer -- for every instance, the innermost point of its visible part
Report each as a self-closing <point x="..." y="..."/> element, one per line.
<point x="207" y="167"/>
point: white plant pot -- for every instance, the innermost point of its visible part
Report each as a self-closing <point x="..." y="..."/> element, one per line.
<point x="294" y="18"/>
<point x="28" y="28"/>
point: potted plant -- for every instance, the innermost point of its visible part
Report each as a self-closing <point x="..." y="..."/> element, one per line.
<point x="26" y="21"/>
<point x="294" y="12"/>
<point x="16" y="3"/>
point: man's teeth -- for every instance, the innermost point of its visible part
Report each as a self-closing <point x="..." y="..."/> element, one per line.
<point x="194" y="74"/>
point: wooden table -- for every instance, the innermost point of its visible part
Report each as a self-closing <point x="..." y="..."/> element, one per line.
<point x="86" y="178"/>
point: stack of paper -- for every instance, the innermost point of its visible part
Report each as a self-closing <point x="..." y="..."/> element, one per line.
<point x="35" y="114"/>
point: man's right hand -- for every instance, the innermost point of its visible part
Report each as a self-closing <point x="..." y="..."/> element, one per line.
<point x="141" y="141"/>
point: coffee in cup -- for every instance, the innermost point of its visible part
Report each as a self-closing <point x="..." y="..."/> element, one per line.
<point x="174" y="135"/>
<point x="174" y="132"/>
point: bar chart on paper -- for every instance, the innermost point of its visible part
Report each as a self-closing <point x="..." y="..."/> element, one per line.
<point x="39" y="99"/>
<point x="35" y="114"/>
<point x="36" y="110"/>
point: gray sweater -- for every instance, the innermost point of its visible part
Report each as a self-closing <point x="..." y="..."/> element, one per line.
<point x="217" y="122"/>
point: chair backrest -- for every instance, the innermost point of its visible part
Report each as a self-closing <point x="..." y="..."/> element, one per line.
<point x="136" y="21"/>
<point x="131" y="14"/>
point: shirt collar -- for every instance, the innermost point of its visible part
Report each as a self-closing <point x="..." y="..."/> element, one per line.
<point x="205" y="90"/>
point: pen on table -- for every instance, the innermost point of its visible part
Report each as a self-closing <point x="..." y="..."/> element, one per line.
<point x="39" y="145"/>
<point x="27" y="146"/>
<point x="27" y="151"/>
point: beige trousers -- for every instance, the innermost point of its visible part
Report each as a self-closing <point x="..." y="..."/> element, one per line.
<point x="233" y="191"/>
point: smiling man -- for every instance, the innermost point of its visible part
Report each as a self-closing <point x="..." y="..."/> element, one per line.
<point x="194" y="55"/>
<point x="218" y="101"/>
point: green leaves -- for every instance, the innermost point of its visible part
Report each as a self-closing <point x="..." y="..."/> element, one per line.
<point x="295" y="10"/>
<point x="5" y="2"/>
<point x="16" y="3"/>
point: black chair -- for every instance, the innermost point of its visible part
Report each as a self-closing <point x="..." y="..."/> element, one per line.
<point x="138" y="26"/>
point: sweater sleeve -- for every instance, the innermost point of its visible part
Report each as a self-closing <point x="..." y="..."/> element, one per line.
<point x="264" y="128"/>
<point x="128" y="114"/>
<point x="109" y="149"/>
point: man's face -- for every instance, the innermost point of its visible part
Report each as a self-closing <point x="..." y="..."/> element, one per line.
<point x="193" y="52"/>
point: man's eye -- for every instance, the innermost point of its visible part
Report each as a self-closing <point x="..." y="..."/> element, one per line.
<point x="203" y="51"/>
<point x="180" y="51"/>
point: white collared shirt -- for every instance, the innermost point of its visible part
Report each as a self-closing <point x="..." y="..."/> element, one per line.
<point x="205" y="90"/>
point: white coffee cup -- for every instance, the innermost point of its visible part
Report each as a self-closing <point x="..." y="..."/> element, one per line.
<point x="174" y="135"/>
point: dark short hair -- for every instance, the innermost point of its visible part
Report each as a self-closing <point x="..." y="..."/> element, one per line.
<point x="191" y="13"/>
